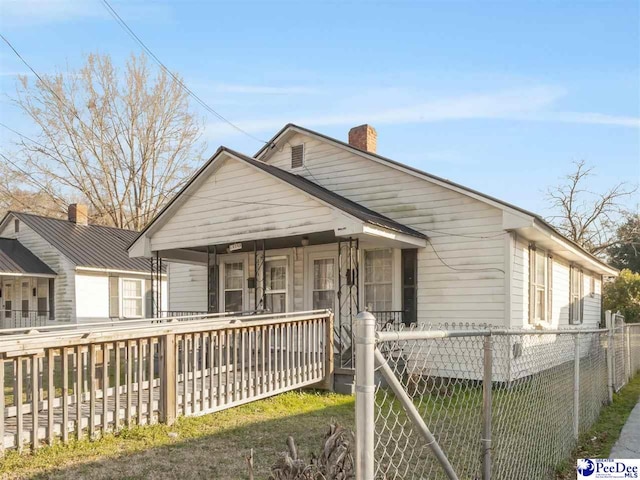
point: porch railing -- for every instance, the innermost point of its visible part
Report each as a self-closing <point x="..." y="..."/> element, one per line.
<point x="23" y="318"/>
<point x="59" y="384"/>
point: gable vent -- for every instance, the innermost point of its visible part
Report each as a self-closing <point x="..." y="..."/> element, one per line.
<point x="297" y="156"/>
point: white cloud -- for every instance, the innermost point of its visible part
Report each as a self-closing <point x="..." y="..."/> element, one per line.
<point x="526" y="104"/>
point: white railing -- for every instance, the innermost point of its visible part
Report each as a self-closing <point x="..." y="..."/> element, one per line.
<point x="71" y="383"/>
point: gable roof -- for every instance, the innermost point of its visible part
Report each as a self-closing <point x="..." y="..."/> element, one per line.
<point x="541" y="223"/>
<point x="92" y="246"/>
<point x="17" y="259"/>
<point x="310" y="188"/>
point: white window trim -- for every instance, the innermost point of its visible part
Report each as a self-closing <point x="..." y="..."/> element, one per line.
<point x="122" y="296"/>
<point x="576" y="270"/>
<point x="395" y="275"/>
<point x="548" y="288"/>
<point x="318" y="252"/>
<point x="222" y="262"/>
<point x="287" y="288"/>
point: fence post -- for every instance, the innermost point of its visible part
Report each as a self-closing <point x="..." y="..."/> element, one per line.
<point x="168" y="379"/>
<point x="610" y="357"/>
<point x="627" y="334"/>
<point x="487" y="385"/>
<point x="327" y="383"/>
<point x="365" y="331"/>
<point x="576" y="387"/>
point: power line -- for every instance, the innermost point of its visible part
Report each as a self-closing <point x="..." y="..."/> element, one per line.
<point x="202" y="103"/>
<point x="464" y="270"/>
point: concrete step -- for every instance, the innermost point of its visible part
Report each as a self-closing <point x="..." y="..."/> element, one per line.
<point x="344" y="381"/>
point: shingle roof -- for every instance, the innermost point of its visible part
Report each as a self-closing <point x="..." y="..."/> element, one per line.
<point x="16" y="258"/>
<point x="355" y="209"/>
<point x="87" y="245"/>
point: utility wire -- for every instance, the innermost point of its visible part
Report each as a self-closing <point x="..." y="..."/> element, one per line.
<point x="464" y="270"/>
<point x="202" y="103"/>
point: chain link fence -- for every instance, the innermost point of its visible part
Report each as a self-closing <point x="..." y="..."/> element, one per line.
<point x="471" y="402"/>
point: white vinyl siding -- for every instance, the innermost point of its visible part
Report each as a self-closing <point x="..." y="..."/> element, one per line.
<point x="187" y="287"/>
<point x="226" y="207"/>
<point x="444" y="295"/>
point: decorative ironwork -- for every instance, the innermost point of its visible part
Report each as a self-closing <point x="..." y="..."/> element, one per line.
<point x="348" y="299"/>
<point x="260" y="265"/>
<point x="212" y="280"/>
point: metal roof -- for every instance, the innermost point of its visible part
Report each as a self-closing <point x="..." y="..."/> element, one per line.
<point x="93" y="246"/>
<point x="16" y="258"/>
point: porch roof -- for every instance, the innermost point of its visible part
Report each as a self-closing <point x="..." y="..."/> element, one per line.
<point x="16" y="259"/>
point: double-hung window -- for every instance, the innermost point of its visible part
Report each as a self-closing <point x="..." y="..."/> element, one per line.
<point x="276" y="283"/>
<point x="378" y="276"/>
<point x="575" y="295"/>
<point x="233" y="286"/>
<point x="540" y="284"/>
<point x="132" y="298"/>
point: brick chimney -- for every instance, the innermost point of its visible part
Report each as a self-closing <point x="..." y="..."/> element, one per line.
<point x="77" y="213"/>
<point x="363" y="137"/>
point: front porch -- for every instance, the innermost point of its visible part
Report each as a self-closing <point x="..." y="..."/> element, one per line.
<point x="26" y="287"/>
<point x="307" y="272"/>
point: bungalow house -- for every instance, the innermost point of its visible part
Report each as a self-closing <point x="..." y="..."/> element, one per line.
<point x="311" y="222"/>
<point x="67" y="271"/>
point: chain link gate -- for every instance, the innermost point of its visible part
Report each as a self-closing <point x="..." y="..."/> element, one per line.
<point x="471" y="402"/>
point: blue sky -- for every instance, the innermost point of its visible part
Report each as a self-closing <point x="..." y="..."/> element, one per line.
<point x="499" y="96"/>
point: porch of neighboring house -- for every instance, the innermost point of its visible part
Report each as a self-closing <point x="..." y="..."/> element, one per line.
<point x="310" y="272"/>
<point x="26" y="287"/>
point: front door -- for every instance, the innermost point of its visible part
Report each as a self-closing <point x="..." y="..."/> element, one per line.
<point x="323" y="281"/>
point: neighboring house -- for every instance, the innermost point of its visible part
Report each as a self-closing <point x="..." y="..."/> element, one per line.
<point x="312" y="222"/>
<point x="54" y="270"/>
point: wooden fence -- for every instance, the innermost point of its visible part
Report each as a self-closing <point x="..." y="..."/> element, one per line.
<point x="83" y="382"/>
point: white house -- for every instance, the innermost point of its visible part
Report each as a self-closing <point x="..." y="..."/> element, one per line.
<point x="54" y="270"/>
<point x="313" y="222"/>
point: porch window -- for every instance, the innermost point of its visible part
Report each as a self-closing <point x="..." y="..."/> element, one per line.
<point x="575" y="296"/>
<point x="323" y="283"/>
<point x="540" y="277"/>
<point x="132" y="298"/>
<point x="43" y="301"/>
<point x="276" y="283"/>
<point x="7" y="292"/>
<point x="233" y="286"/>
<point x="26" y="294"/>
<point x="378" y="275"/>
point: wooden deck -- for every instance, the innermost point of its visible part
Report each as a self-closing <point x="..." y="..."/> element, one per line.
<point x="202" y="368"/>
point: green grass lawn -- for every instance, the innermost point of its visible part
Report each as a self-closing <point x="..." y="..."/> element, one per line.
<point x="598" y="441"/>
<point x="211" y="446"/>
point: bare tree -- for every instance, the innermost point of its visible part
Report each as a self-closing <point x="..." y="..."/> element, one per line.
<point x="588" y="218"/>
<point x="124" y="141"/>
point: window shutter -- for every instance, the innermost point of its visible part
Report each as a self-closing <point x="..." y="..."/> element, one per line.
<point x="532" y="272"/>
<point x="297" y="156"/>
<point x="581" y="319"/>
<point x="550" y="289"/>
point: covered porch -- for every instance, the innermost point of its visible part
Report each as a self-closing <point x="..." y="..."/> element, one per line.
<point x="26" y="287"/>
<point x="270" y="240"/>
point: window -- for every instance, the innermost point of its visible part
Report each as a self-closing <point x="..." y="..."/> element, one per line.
<point x="324" y="274"/>
<point x="114" y="297"/>
<point x="7" y="292"/>
<point x="540" y="284"/>
<point x="132" y="299"/>
<point x="276" y="283"/>
<point x="297" y="156"/>
<point x="575" y="295"/>
<point x="378" y="274"/>
<point x="25" y="299"/>
<point x="592" y="286"/>
<point x="43" y="292"/>
<point x="233" y="286"/>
